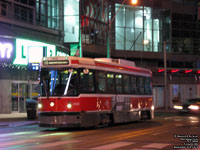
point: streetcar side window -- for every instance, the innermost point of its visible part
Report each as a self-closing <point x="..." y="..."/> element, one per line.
<point x="148" y="89"/>
<point x="140" y="85"/>
<point x="86" y="81"/>
<point x="118" y="83"/>
<point x="101" y="79"/>
<point x="133" y="85"/>
<point x="110" y="82"/>
<point x="126" y="83"/>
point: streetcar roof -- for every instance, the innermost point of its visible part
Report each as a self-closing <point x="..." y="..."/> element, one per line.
<point x="92" y="63"/>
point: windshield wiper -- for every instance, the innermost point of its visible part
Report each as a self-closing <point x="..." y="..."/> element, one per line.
<point x="45" y="87"/>
<point x="67" y="85"/>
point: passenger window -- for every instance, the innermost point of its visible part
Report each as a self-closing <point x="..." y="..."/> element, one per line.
<point x="126" y="83"/>
<point x="110" y="83"/>
<point x="148" y="89"/>
<point x="133" y="85"/>
<point x="140" y="85"/>
<point x="101" y="81"/>
<point x="86" y="81"/>
<point x="118" y="81"/>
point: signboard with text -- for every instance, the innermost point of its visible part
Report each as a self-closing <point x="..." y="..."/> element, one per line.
<point x="7" y="50"/>
<point x="28" y="51"/>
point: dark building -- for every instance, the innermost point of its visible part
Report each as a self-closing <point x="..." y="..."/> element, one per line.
<point x="29" y="30"/>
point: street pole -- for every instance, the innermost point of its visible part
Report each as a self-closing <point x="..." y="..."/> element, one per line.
<point x="80" y="36"/>
<point x="165" y="76"/>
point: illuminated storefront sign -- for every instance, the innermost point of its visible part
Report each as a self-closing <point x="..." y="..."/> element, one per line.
<point x="59" y="53"/>
<point x="6" y="50"/>
<point x="28" y="51"/>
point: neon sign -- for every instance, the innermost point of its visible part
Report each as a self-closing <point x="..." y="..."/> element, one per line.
<point x="6" y="50"/>
<point x="28" y="51"/>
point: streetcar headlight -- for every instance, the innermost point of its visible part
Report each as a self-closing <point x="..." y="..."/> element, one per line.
<point x="152" y="107"/>
<point x="193" y="107"/>
<point x="52" y="104"/>
<point x="178" y="107"/>
<point x="39" y="105"/>
<point x="69" y="105"/>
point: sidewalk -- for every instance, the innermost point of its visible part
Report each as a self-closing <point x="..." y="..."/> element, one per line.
<point x="15" y="120"/>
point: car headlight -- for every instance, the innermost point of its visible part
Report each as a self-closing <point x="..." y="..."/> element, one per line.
<point x="193" y="107"/>
<point x="178" y="107"/>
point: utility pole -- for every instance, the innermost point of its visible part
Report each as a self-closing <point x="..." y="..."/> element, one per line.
<point x="165" y="76"/>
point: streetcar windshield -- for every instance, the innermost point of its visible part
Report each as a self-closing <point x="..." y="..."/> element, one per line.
<point x="59" y="82"/>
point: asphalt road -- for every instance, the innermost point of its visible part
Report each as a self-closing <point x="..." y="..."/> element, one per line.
<point x="163" y="133"/>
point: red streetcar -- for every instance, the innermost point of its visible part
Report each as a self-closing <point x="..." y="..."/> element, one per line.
<point x="84" y="92"/>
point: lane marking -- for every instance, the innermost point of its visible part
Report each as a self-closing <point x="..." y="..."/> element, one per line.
<point x="178" y="125"/>
<point x="113" y="146"/>
<point x="17" y="134"/>
<point x="178" y="119"/>
<point x="159" y="133"/>
<point x="14" y="143"/>
<point x="55" y="143"/>
<point x="156" y="145"/>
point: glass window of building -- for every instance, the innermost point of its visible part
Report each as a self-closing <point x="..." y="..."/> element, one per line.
<point x="20" y="10"/>
<point x="71" y="21"/>
<point x="138" y="28"/>
<point x="47" y="13"/>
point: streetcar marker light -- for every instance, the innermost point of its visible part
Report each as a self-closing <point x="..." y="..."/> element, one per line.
<point x="69" y="105"/>
<point x="52" y="104"/>
<point x="39" y="106"/>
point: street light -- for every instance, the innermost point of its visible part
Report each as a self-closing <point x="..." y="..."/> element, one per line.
<point x="133" y="2"/>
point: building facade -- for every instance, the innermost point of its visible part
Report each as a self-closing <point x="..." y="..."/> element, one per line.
<point x="143" y="33"/>
<point x="29" y="30"/>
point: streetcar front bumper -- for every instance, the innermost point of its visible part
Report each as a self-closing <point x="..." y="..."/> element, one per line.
<point x="59" y="119"/>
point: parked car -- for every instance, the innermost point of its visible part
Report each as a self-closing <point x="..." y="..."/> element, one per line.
<point x="191" y="105"/>
<point x="31" y="109"/>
